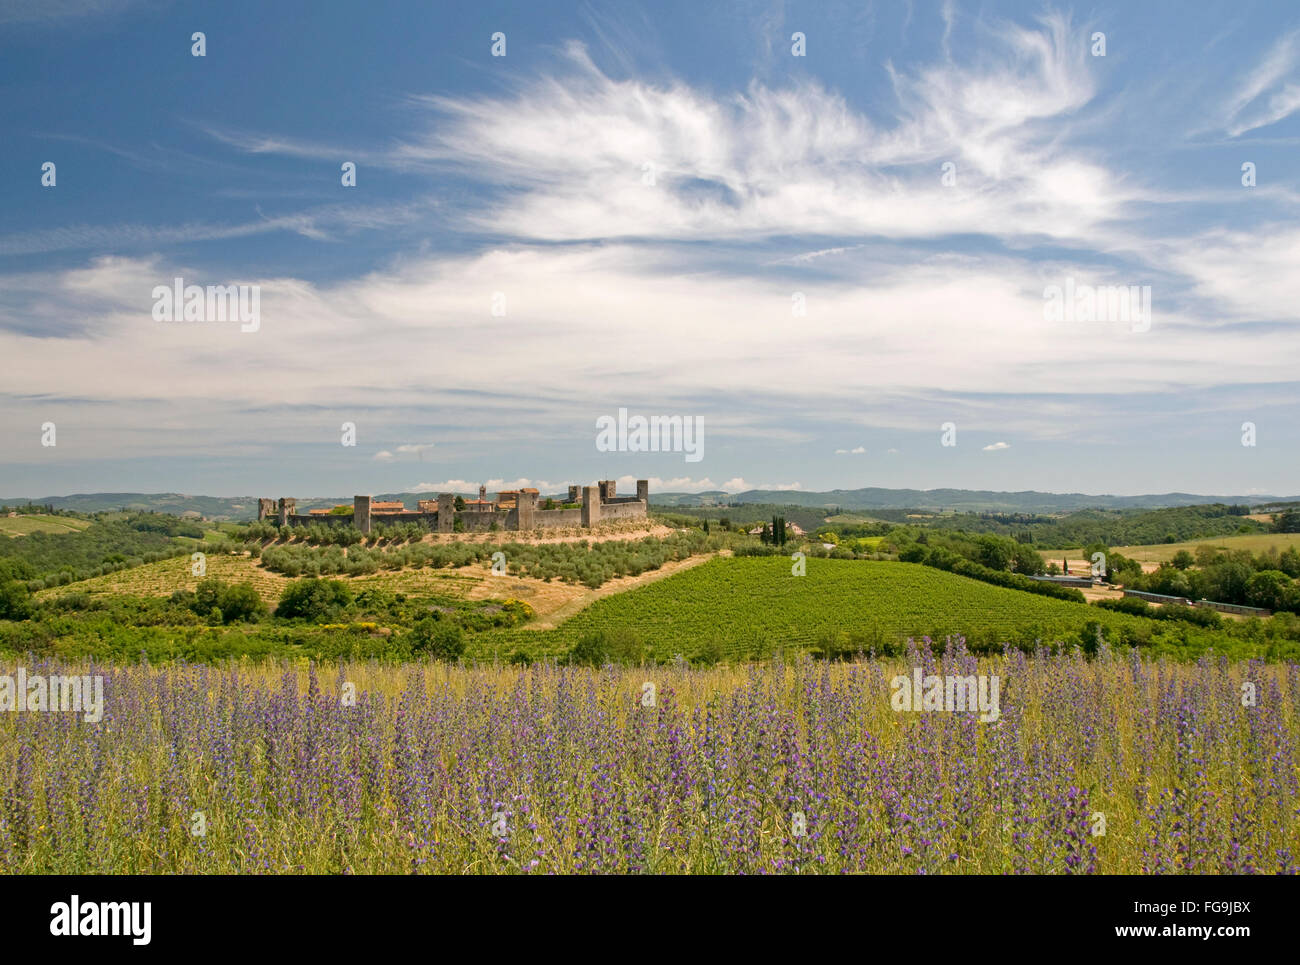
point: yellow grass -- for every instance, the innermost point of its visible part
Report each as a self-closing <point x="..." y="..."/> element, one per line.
<point x="167" y="576"/>
<point x="40" y="523"/>
<point x="1255" y="542"/>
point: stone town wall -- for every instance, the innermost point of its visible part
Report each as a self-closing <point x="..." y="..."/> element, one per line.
<point x="599" y="502"/>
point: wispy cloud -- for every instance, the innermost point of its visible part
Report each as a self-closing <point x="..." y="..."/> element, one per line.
<point x="770" y="161"/>
<point x="1269" y="92"/>
<point x="321" y="224"/>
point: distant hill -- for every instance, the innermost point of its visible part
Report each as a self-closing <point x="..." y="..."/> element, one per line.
<point x="850" y="500"/>
<point x="951" y="500"/>
<point x="212" y="507"/>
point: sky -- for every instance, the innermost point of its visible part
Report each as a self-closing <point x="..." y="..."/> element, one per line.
<point x="831" y="234"/>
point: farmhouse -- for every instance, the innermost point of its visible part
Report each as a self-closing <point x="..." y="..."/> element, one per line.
<point x="521" y="509"/>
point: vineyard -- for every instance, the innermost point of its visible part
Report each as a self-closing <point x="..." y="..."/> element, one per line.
<point x="749" y="607"/>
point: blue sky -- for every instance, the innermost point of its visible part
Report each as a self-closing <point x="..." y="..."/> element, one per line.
<point x="529" y="175"/>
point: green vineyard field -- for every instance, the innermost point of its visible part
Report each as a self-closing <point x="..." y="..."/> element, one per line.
<point x="747" y="606"/>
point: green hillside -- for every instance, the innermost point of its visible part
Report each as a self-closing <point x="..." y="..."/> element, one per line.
<point x="748" y="606"/>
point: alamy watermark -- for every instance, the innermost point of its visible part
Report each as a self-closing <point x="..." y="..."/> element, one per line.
<point x="950" y="693"/>
<point x="1130" y="304"/>
<point x="24" y="692"/>
<point x="658" y="433"/>
<point x="216" y="303"/>
<point x="123" y="918"/>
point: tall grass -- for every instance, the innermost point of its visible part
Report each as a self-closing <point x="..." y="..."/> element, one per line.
<point x="797" y="768"/>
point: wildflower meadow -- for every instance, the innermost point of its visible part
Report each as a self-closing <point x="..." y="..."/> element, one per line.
<point x="1111" y="764"/>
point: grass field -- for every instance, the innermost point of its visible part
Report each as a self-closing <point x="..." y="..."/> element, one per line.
<point x="746" y="606"/>
<point x="1255" y="542"/>
<point x="39" y="523"/>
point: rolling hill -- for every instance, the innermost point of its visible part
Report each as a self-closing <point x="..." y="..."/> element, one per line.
<point x="932" y="500"/>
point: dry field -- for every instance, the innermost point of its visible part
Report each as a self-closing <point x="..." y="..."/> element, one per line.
<point x="1157" y="553"/>
<point x="167" y="576"/>
<point x="40" y="523"/>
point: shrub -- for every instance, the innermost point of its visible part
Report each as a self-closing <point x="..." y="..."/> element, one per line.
<point x="76" y="600"/>
<point x="15" y="601"/>
<point x="620" y="645"/>
<point x="241" y="602"/>
<point x="232" y="603"/>
<point x="313" y="599"/>
<point x="438" y="638"/>
<point x="591" y="650"/>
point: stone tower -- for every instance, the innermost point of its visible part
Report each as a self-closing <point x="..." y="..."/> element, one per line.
<point x="590" y="505"/>
<point x="526" y="505"/>
<point x="361" y="513"/>
<point x="446" y="512"/>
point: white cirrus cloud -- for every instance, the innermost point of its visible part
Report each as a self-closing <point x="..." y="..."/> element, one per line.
<point x="1269" y="92"/>
<point x="792" y="160"/>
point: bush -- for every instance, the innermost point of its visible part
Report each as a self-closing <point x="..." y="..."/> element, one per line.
<point x="621" y="645"/>
<point x="591" y="650"/>
<point x="1129" y="604"/>
<point x="241" y="602"/>
<point x="231" y="602"/>
<point x="15" y="601"/>
<point x="913" y="554"/>
<point x="76" y="600"/>
<point x="313" y="599"/>
<point x="438" y="638"/>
